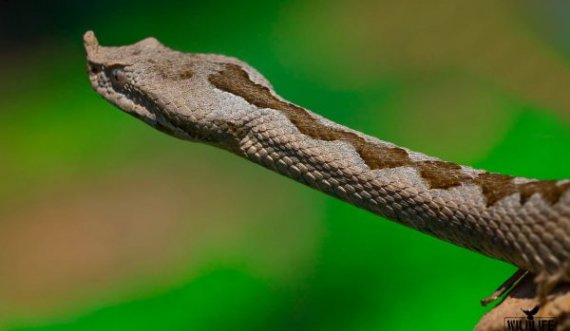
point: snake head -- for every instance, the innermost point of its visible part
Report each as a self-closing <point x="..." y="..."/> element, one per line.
<point x="167" y="89"/>
<point x="122" y="76"/>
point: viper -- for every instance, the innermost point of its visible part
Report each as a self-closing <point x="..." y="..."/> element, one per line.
<point x="224" y="102"/>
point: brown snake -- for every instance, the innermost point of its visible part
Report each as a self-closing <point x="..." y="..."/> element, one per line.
<point x="224" y="102"/>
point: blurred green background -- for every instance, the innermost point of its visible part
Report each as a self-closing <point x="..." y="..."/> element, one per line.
<point x="106" y="224"/>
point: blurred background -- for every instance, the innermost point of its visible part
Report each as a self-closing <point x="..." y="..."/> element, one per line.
<point x="106" y="224"/>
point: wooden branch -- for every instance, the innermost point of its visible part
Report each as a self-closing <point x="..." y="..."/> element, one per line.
<point x="523" y="296"/>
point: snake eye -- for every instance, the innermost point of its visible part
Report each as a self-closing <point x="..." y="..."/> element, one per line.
<point x="118" y="77"/>
<point x="93" y="68"/>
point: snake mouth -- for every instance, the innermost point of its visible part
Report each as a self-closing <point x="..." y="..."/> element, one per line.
<point x="132" y="101"/>
<point x="100" y="81"/>
<point x="113" y="74"/>
<point x="101" y="67"/>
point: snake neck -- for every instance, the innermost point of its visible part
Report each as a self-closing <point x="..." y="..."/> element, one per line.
<point x="454" y="203"/>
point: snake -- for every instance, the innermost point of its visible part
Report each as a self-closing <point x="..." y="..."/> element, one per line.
<point x="224" y="102"/>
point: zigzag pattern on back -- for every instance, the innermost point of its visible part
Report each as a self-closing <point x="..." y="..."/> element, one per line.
<point x="437" y="174"/>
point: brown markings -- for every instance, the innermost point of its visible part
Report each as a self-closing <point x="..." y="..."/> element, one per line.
<point x="185" y="74"/>
<point x="166" y="72"/>
<point x="547" y="188"/>
<point x="437" y="174"/>
<point x="441" y="174"/>
<point x="235" y="80"/>
<point x="495" y="186"/>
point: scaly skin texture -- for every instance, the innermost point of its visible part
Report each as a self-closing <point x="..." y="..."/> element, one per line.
<point x="224" y="102"/>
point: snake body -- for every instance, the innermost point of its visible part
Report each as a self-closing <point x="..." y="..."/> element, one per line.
<point x="224" y="102"/>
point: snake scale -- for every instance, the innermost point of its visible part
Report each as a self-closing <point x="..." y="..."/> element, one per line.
<point x="224" y="102"/>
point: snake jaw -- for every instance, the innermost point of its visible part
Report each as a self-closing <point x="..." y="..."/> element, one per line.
<point x="131" y="102"/>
